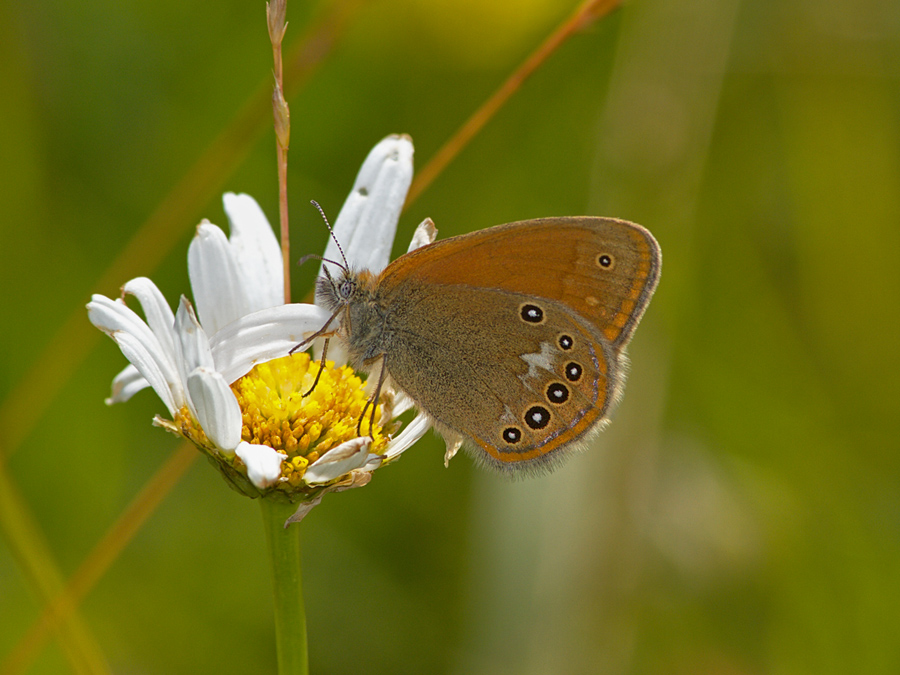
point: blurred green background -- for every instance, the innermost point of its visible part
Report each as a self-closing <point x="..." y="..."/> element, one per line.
<point x="742" y="512"/>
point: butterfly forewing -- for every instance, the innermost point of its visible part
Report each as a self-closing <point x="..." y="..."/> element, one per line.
<point x="604" y="269"/>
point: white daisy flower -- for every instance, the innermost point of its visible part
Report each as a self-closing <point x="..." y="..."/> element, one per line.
<point x="223" y="372"/>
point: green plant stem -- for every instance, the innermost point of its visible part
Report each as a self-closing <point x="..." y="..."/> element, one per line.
<point x="290" y="617"/>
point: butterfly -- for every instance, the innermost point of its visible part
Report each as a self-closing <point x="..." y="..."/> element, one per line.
<point x="512" y="339"/>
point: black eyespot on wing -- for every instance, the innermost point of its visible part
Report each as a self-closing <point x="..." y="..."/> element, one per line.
<point x="531" y="313"/>
<point x="574" y="371"/>
<point x="512" y="435"/>
<point x="557" y="393"/>
<point x="537" y="417"/>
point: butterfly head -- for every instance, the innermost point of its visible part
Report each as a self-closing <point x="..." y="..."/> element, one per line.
<point x="352" y="297"/>
<point x="336" y="292"/>
<point x="349" y="288"/>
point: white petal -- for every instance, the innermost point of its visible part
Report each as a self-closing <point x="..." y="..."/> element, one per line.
<point x="263" y="463"/>
<point x="453" y="442"/>
<point x="372" y="462"/>
<point x="410" y="434"/>
<point x="218" y="292"/>
<point x="263" y="336"/>
<point x="114" y="315"/>
<point x="425" y="234"/>
<point x="192" y="347"/>
<point x="116" y="319"/>
<point x="338" y="461"/>
<point x="137" y="353"/>
<point x="192" y="344"/>
<point x="126" y="384"/>
<point x="256" y="252"/>
<point x="215" y="408"/>
<point x="402" y="403"/>
<point x="159" y="315"/>
<point x="368" y="220"/>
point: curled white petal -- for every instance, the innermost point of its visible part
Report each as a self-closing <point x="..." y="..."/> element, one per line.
<point x="262" y="336"/>
<point x="425" y="234"/>
<point x="136" y="340"/>
<point x="160" y="317"/>
<point x="111" y="316"/>
<point x="256" y="252"/>
<point x="215" y="407"/>
<point x="218" y="289"/>
<point x="137" y="353"/>
<point x="368" y="220"/>
<point x="372" y="462"/>
<point x="263" y="463"/>
<point x="411" y="433"/>
<point x="340" y="460"/>
<point x="126" y="384"/>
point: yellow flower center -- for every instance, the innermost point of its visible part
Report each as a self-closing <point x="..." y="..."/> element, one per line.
<point x="276" y="412"/>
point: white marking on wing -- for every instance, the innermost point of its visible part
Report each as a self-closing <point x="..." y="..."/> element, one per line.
<point x="542" y="360"/>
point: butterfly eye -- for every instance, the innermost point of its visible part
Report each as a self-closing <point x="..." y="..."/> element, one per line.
<point x="347" y="288"/>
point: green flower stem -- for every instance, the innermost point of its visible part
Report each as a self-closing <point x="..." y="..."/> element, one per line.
<point x="290" y="617"/>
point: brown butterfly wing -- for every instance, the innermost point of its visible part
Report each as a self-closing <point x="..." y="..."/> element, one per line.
<point x="604" y="269"/>
<point x="512" y="336"/>
<point x="520" y="390"/>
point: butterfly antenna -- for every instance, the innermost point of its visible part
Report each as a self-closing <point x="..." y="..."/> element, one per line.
<point x="313" y="256"/>
<point x="346" y="265"/>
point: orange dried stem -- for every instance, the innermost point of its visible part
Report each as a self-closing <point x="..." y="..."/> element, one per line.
<point x="276" y="13"/>
<point x="282" y="153"/>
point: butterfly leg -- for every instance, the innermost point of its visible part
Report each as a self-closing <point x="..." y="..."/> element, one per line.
<point x="373" y="401"/>
<point x="321" y="368"/>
